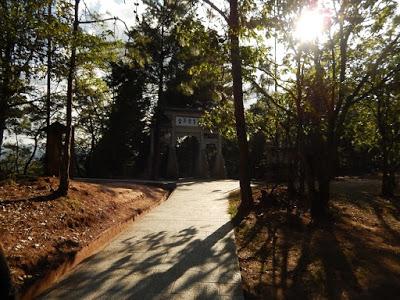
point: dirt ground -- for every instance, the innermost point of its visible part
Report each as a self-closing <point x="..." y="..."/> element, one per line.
<point x="356" y="256"/>
<point x="38" y="233"/>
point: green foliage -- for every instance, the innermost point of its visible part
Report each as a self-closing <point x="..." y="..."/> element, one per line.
<point x="177" y="53"/>
<point x="21" y="41"/>
<point x="220" y="119"/>
<point x="124" y="136"/>
<point x="341" y="91"/>
<point x="24" y="64"/>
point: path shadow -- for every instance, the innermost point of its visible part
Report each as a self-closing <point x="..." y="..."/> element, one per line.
<point x="353" y="257"/>
<point x="183" y="263"/>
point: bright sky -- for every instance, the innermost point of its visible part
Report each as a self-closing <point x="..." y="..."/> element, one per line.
<point x="124" y="9"/>
<point x="113" y="8"/>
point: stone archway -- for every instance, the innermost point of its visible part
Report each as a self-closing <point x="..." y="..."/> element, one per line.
<point x="185" y="122"/>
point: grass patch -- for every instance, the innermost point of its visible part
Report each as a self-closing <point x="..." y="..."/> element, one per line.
<point x="72" y="201"/>
<point x="8" y="182"/>
<point x="234" y="201"/>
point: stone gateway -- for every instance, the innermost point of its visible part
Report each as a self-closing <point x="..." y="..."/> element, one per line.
<point x="180" y="123"/>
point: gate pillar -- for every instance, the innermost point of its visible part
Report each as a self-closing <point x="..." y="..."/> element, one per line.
<point x="201" y="161"/>
<point x="172" y="163"/>
<point x="219" y="165"/>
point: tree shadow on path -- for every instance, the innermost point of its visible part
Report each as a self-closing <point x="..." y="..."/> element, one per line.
<point x="188" y="262"/>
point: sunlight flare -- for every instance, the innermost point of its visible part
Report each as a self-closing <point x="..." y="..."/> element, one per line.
<point x="310" y="25"/>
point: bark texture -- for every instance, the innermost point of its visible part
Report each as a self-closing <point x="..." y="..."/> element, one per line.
<point x="66" y="164"/>
<point x="244" y="173"/>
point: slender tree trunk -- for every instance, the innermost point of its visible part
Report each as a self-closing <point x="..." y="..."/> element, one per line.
<point x="32" y="154"/>
<point x="3" y="118"/>
<point x="301" y="160"/>
<point x="2" y="128"/>
<point x="388" y="172"/>
<point x="388" y="176"/>
<point x="301" y="170"/>
<point x="324" y="192"/>
<point x="48" y="96"/>
<point x="89" y="160"/>
<point x="291" y="164"/>
<point x="6" y="85"/>
<point x="388" y="184"/>
<point x="65" y="169"/>
<point x="392" y="180"/>
<point x="291" y="178"/>
<point x="302" y="179"/>
<point x="310" y="181"/>
<point x="155" y="171"/>
<point x="16" y="168"/>
<point x="155" y="167"/>
<point x="245" y="189"/>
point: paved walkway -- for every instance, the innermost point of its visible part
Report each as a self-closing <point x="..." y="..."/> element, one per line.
<point x="182" y="249"/>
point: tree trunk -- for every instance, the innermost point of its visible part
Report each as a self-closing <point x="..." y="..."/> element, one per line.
<point x="65" y="168"/>
<point x="388" y="184"/>
<point x="6" y="93"/>
<point x="155" y="171"/>
<point x="245" y="189"/>
<point x="155" y="168"/>
<point x="318" y="161"/>
<point x="310" y="181"/>
<point x="2" y="128"/>
<point x="16" y="167"/>
<point x="324" y="194"/>
<point x="48" y="96"/>
<point x="302" y="178"/>
<point x="89" y="160"/>
<point x="388" y="175"/>
<point x="32" y="155"/>
<point x="318" y="196"/>
<point x="291" y="179"/>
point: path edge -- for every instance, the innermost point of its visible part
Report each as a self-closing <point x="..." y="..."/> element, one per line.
<point x="93" y="247"/>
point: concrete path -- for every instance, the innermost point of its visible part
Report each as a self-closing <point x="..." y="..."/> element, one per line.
<point x="182" y="249"/>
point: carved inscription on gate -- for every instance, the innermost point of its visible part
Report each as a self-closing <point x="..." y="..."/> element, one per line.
<point x="187" y="121"/>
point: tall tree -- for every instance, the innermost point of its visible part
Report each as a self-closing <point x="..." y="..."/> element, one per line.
<point x="331" y="74"/>
<point x="234" y="30"/>
<point x="388" y="124"/>
<point x="121" y="150"/>
<point x="66" y="163"/>
<point x="48" y="92"/>
<point x="21" y="42"/>
<point x="240" y="123"/>
<point x="158" y="46"/>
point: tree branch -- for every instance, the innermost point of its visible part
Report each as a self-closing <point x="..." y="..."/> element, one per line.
<point x="217" y="9"/>
<point x="265" y="94"/>
<point x="275" y="79"/>
<point x="30" y="102"/>
<point x="98" y="21"/>
<point x="376" y="87"/>
<point x="365" y="79"/>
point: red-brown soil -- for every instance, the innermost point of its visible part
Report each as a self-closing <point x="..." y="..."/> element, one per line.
<point x="38" y="233"/>
<point x="355" y="256"/>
